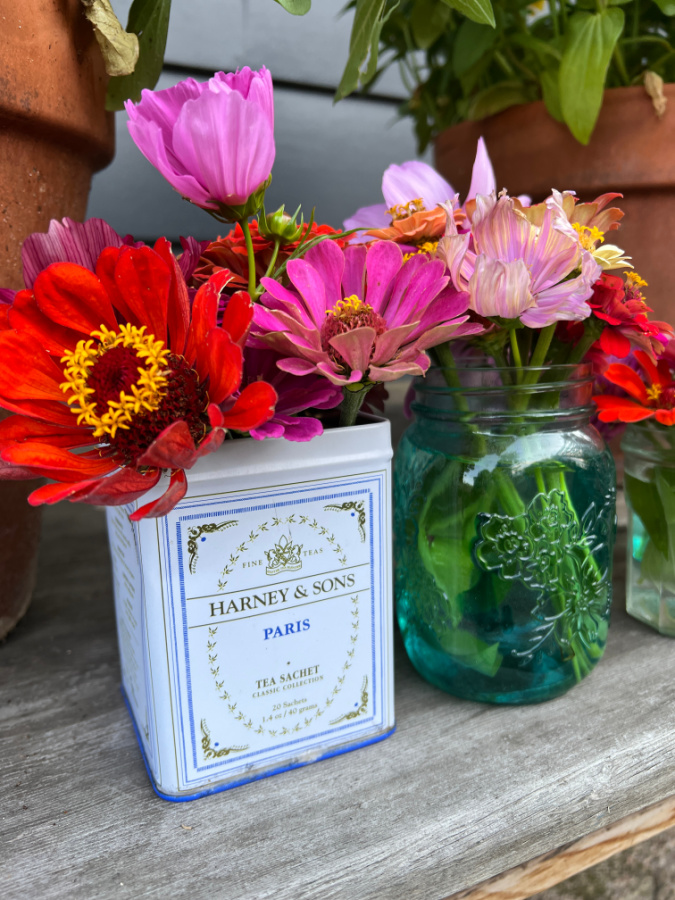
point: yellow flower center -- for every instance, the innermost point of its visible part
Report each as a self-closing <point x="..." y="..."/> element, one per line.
<point x="654" y="392"/>
<point x="105" y="386"/>
<point x="349" y="307"/>
<point x="588" y="237"/>
<point x="407" y="209"/>
<point x="634" y="280"/>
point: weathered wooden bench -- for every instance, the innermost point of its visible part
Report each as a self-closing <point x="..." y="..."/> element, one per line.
<point x="464" y="801"/>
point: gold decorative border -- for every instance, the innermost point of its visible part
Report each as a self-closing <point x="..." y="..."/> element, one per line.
<point x="358" y="506"/>
<point x="209" y="752"/>
<point x="194" y="533"/>
<point x="242" y="548"/>
<point x="355" y="713"/>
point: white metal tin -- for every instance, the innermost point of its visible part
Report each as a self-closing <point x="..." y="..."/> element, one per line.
<point x="255" y="620"/>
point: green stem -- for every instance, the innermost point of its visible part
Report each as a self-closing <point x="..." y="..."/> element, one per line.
<point x="275" y="253"/>
<point x="251" y="258"/>
<point x="540" y="353"/>
<point x="591" y="334"/>
<point x="351" y="404"/>
<point x="515" y="350"/>
<point x="621" y="65"/>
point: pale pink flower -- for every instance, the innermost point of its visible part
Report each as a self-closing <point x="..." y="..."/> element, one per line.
<point x="513" y="269"/>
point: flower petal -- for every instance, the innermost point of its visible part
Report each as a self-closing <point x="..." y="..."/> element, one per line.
<point x="25" y="316"/>
<point x="66" y="241"/>
<point x="73" y="296"/>
<point x="173" y="448"/>
<point x="415" y="180"/>
<point x="355" y="347"/>
<point x="144" y="280"/>
<point x="253" y="407"/>
<point x="164" y="504"/>
<point x="223" y="363"/>
<point x="238" y="316"/>
<point x="178" y="308"/>
<point x="53" y="462"/>
<point x="27" y="372"/>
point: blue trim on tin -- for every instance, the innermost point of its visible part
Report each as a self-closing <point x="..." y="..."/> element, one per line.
<point x="217" y="789"/>
<point x="375" y="482"/>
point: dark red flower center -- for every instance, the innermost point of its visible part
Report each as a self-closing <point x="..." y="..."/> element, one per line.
<point x="184" y="399"/>
<point x="114" y="371"/>
<point x="349" y="314"/>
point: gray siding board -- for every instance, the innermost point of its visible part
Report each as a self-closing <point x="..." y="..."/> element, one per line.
<point x="328" y="156"/>
<point x="226" y="34"/>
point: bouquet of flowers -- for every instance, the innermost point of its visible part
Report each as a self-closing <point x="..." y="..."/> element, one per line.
<point x="123" y="364"/>
<point x="505" y="493"/>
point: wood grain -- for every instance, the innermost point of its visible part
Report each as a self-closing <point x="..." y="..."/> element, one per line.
<point x="461" y="793"/>
<point x="552" y="868"/>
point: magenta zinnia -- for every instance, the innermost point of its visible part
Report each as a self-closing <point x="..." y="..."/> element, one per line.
<point x="360" y="316"/>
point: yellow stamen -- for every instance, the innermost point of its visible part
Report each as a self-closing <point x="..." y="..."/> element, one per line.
<point x="588" y="237"/>
<point x="345" y="309"/>
<point x="654" y="392"/>
<point x="634" y="279"/>
<point x="407" y="209"/>
<point x="146" y="393"/>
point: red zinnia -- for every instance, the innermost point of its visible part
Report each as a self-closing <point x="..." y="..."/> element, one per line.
<point x="112" y="378"/>
<point x="229" y="253"/>
<point x="621" y="305"/>
<point x="654" y="401"/>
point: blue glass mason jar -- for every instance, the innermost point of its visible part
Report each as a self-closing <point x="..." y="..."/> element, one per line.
<point x="649" y="480"/>
<point x="505" y="518"/>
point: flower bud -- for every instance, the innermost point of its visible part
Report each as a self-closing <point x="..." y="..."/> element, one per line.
<point x="280" y="226"/>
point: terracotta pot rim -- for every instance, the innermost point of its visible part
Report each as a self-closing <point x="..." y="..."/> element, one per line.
<point x="98" y="151"/>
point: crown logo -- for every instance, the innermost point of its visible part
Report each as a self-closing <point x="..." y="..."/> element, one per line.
<point x="284" y="556"/>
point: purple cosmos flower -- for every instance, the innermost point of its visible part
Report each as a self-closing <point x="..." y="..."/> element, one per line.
<point x="514" y="269"/>
<point x="414" y="180"/>
<point x="295" y="394"/>
<point x="213" y="142"/>
<point x="361" y="314"/>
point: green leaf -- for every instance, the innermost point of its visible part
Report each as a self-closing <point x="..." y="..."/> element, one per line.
<point x="479" y="10"/>
<point x="295" y="7"/>
<point x="545" y="51"/>
<point x="472" y="42"/>
<point x="667" y="497"/>
<point x="499" y="97"/>
<point x="119" y="48"/>
<point x="657" y="568"/>
<point x="550" y="87"/>
<point x="369" y="18"/>
<point x="667" y="7"/>
<point x="591" y="40"/>
<point x="149" y="19"/>
<point x="470" y="651"/>
<point x="428" y="21"/>
<point x="645" y="502"/>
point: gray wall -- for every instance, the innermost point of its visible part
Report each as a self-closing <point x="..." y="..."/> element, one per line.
<point x="330" y="157"/>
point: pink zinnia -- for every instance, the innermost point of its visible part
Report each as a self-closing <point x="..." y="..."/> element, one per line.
<point x="360" y="315"/>
<point x="213" y="142"/>
<point x="516" y="270"/>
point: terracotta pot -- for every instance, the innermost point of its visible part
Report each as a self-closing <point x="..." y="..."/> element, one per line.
<point x="631" y="151"/>
<point x="54" y="133"/>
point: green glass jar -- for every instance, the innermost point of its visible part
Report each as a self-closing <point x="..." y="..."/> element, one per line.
<point x="649" y="478"/>
<point x="504" y="528"/>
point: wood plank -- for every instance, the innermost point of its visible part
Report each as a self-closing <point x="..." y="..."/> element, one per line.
<point x="331" y="157"/>
<point x="552" y="868"/>
<point x="228" y="34"/>
<point x="461" y="793"/>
